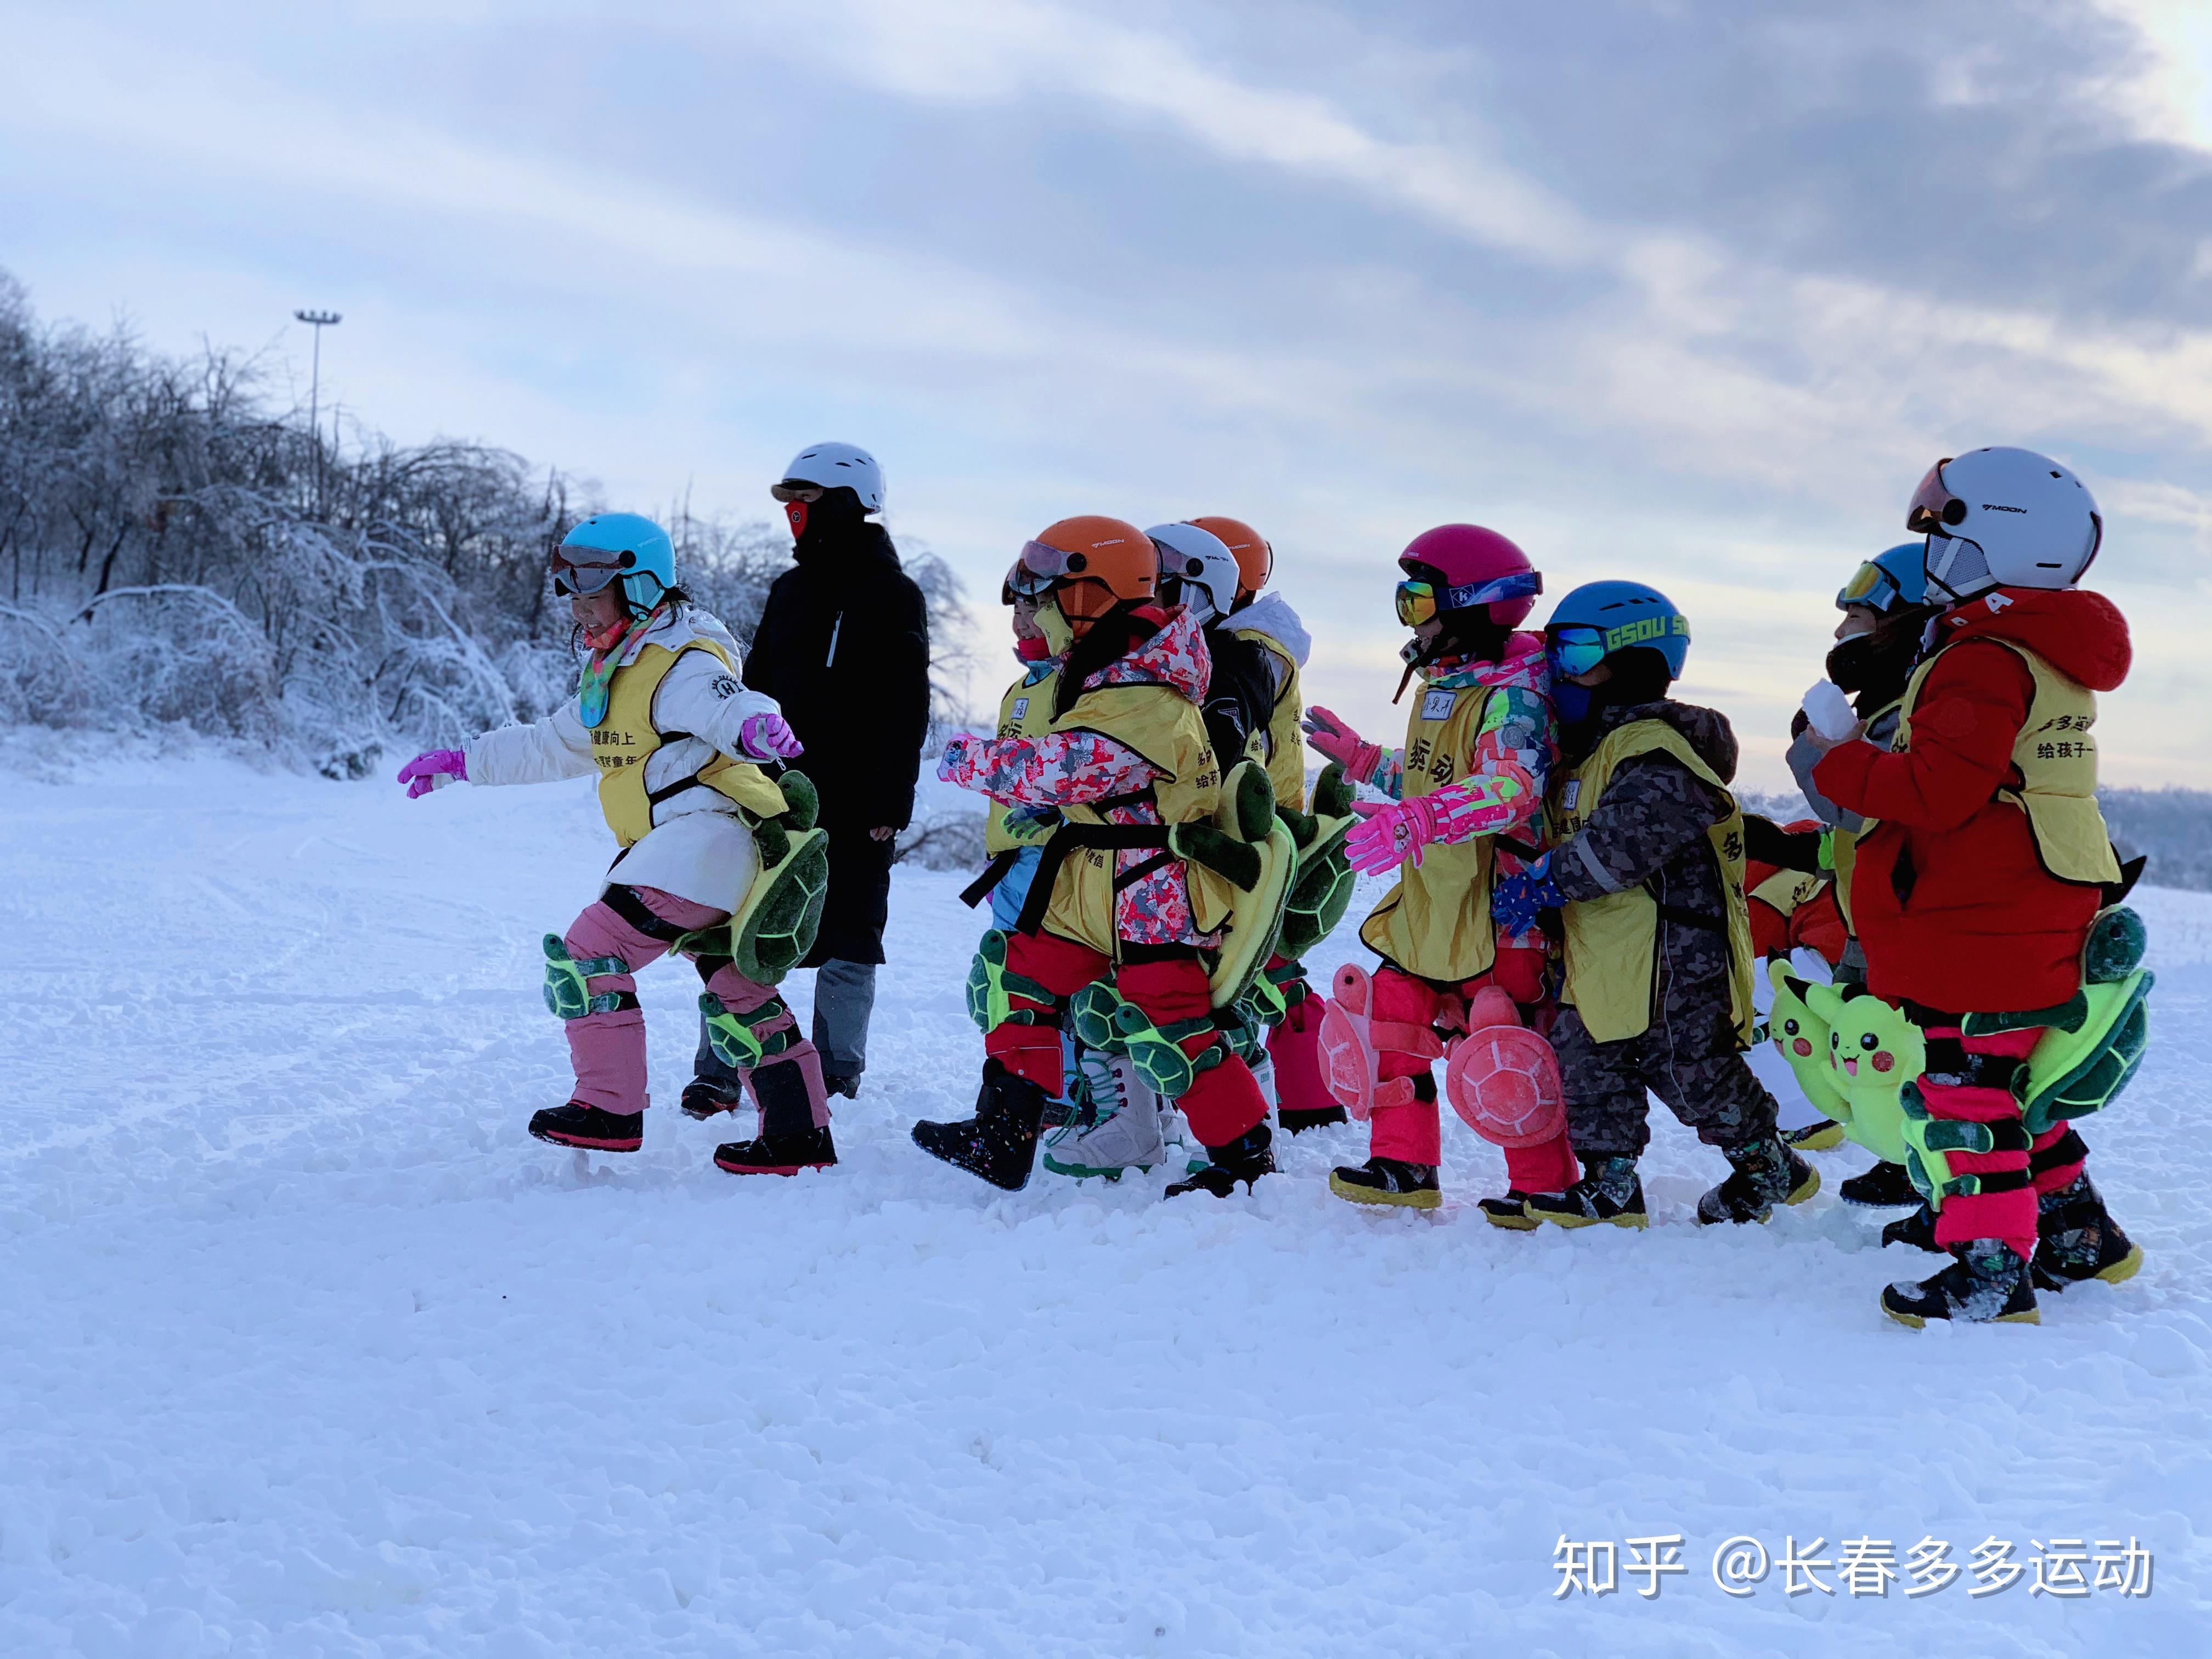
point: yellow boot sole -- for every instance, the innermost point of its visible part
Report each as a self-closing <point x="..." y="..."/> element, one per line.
<point x="1826" y="1140"/>
<point x="1914" y="1321"/>
<point x="1635" y="1218"/>
<point x="2125" y="1268"/>
<point x="1351" y="1194"/>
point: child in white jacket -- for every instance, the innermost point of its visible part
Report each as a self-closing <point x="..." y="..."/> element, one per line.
<point x="661" y="716"/>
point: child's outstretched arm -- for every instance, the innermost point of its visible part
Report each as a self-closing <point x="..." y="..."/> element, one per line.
<point x="700" y="696"/>
<point x="1500" y="794"/>
<point x="1058" y="769"/>
<point x="544" y="752"/>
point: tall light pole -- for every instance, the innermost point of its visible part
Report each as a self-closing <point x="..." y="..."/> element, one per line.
<point x="318" y="320"/>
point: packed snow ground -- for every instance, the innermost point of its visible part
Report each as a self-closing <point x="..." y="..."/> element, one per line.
<point x="310" y="1350"/>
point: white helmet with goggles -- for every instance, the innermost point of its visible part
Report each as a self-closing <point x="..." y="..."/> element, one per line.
<point x="1197" y="571"/>
<point x="2003" y="518"/>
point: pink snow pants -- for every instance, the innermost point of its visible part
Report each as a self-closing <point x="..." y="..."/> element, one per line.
<point x="608" y="1050"/>
<point x="1413" y="1133"/>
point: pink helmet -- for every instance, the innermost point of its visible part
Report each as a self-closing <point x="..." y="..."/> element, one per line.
<point x="1478" y="567"/>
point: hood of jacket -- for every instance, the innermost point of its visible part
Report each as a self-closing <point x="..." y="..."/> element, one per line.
<point x="1706" y="731"/>
<point x="1271" y="615"/>
<point x="2082" y="634"/>
<point x="1175" y="656"/>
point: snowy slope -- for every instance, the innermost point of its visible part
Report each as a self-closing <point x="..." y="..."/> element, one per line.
<point x="310" y="1350"/>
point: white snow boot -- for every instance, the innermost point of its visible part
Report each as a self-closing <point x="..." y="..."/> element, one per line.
<point x="1115" y="1125"/>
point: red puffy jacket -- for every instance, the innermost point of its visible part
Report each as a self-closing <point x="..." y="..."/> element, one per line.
<point x="1951" y="904"/>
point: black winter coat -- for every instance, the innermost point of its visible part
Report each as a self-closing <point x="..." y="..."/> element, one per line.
<point x="843" y="647"/>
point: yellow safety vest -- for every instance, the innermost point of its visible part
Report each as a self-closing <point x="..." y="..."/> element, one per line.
<point x="1786" y="889"/>
<point x="1436" y="922"/>
<point x="2057" y="759"/>
<point x="1166" y="728"/>
<point x="1611" y="941"/>
<point x="625" y="740"/>
<point x="1281" y="749"/>
<point x="1024" y="712"/>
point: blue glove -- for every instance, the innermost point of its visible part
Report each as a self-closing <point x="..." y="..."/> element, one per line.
<point x="1516" y="898"/>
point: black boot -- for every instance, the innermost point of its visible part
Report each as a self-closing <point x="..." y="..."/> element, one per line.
<point x="1000" y="1142"/>
<point x="785" y="1155"/>
<point x="590" y="1129"/>
<point x="1986" y="1282"/>
<point x="1388" y="1181"/>
<point x="2076" y="1239"/>
<point x="1885" y="1186"/>
<point x="1610" y="1190"/>
<point x="1766" y="1173"/>
<point x="1918" y="1230"/>
<point x="1319" y="1118"/>
<point x="710" y="1097"/>
<point x="1246" y="1158"/>
<point x="1510" y="1211"/>
<point x="789" y="1140"/>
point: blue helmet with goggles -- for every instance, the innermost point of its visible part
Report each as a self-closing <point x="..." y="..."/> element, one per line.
<point x="1889" y="581"/>
<point x="1599" y="619"/>
<point x="624" y="547"/>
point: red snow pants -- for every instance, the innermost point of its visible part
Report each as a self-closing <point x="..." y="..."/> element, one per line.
<point x="1413" y="1133"/>
<point x="1223" y="1102"/>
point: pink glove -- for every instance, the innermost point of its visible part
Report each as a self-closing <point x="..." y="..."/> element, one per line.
<point x="432" y="769"/>
<point x="769" y="737"/>
<point x="1398" y="832"/>
<point x="1340" y="743"/>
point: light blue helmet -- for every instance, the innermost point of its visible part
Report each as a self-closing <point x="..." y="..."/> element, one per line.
<point x="611" y="545"/>
<point x="1599" y="619"/>
<point x="1889" y="581"/>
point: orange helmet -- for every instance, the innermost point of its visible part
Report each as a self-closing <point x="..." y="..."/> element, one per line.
<point x="1255" y="559"/>
<point x="1093" y="564"/>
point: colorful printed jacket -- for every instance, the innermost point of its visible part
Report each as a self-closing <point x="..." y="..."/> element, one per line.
<point x="1513" y="756"/>
<point x="1065" y="767"/>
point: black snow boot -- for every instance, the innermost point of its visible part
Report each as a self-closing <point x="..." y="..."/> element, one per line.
<point x="1000" y="1142"/>
<point x="1918" y="1230"/>
<point x="710" y="1096"/>
<point x="1246" y="1158"/>
<point x="1319" y="1117"/>
<point x="1885" y="1186"/>
<point x="809" y="1148"/>
<point x="1388" y="1181"/>
<point x="1816" y="1136"/>
<point x="1766" y="1173"/>
<point x="1510" y="1211"/>
<point x="1610" y="1190"/>
<point x="2076" y="1239"/>
<point x="589" y="1129"/>
<point x="1986" y="1282"/>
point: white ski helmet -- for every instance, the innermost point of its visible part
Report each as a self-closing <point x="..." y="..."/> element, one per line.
<point x="1197" y="570"/>
<point x="830" y="465"/>
<point x="2003" y="518"/>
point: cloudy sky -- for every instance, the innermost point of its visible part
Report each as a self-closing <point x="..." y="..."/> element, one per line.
<point x="1689" y="290"/>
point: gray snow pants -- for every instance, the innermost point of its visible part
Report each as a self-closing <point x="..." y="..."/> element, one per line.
<point x="1706" y="1084"/>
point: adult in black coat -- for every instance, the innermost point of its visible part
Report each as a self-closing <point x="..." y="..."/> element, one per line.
<point x="843" y="647"/>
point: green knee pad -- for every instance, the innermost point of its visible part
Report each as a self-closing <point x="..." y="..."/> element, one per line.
<point x="1104" y="1018"/>
<point x="566" y="994"/>
<point x="737" y="1039"/>
<point x="992" y="987"/>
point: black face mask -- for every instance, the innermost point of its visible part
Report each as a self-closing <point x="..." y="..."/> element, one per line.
<point x="1875" y="664"/>
<point x="830" y="520"/>
<point x="1639" y="675"/>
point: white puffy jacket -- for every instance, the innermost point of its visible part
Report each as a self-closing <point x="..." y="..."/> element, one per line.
<point x="698" y="848"/>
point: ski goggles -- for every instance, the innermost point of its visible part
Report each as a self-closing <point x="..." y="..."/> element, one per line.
<point x="1933" y="505"/>
<point x="1574" y="649"/>
<point x="1872" y="586"/>
<point x="585" y="569"/>
<point x="796" y="489"/>
<point x="1421" y="601"/>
